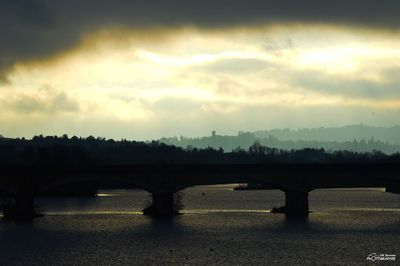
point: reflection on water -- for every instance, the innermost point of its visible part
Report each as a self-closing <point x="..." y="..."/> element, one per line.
<point x="218" y="226"/>
<point x="88" y="213"/>
<point x="61" y="213"/>
<point x="223" y="211"/>
<point x="106" y="195"/>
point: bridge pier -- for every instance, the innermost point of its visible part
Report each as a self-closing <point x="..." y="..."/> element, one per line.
<point x="393" y="189"/>
<point x="296" y="203"/>
<point x="22" y="208"/>
<point x="163" y="204"/>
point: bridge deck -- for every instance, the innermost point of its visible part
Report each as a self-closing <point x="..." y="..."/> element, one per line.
<point x="281" y="176"/>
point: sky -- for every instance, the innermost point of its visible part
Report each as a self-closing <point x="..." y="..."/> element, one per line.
<point x="147" y="69"/>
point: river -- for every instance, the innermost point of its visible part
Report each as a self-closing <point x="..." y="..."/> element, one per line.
<point x="218" y="226"/>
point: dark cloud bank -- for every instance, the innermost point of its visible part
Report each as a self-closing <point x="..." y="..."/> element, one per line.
<point x="32" y="29"/>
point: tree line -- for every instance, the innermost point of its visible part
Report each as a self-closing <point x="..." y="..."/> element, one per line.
<point x="77" y="151"/>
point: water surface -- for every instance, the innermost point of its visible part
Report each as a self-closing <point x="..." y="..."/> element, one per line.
<point x="218" y="226"/>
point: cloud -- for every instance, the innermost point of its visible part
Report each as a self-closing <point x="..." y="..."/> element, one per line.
<point x="350" y="87"/>
<point x="45" y="101"/>
<point x="234" y="66"/>
<point x="37" y="29"/>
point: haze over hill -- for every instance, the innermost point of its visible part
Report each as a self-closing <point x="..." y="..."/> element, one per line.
<point x="340" y="134"/>
<point x="360" y="138"/>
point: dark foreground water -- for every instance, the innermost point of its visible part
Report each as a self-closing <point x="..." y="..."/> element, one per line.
<point x="218" y="227"/>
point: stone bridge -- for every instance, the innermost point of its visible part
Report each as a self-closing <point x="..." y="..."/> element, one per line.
<point x="163" y="181"/>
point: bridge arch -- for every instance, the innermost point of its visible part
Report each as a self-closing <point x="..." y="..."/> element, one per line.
<point x="7" y="191"/>
<point x="246" y="180"/>
<point x="111" y="182"/>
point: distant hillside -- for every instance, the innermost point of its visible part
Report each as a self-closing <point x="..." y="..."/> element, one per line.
<point x="357" y="138"/>
<point x="339" y="134"/>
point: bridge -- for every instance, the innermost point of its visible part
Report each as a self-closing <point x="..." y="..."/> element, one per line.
<point x="296" y="180"/>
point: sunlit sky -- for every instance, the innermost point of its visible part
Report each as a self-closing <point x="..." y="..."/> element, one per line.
<point x="130" y="82"/>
